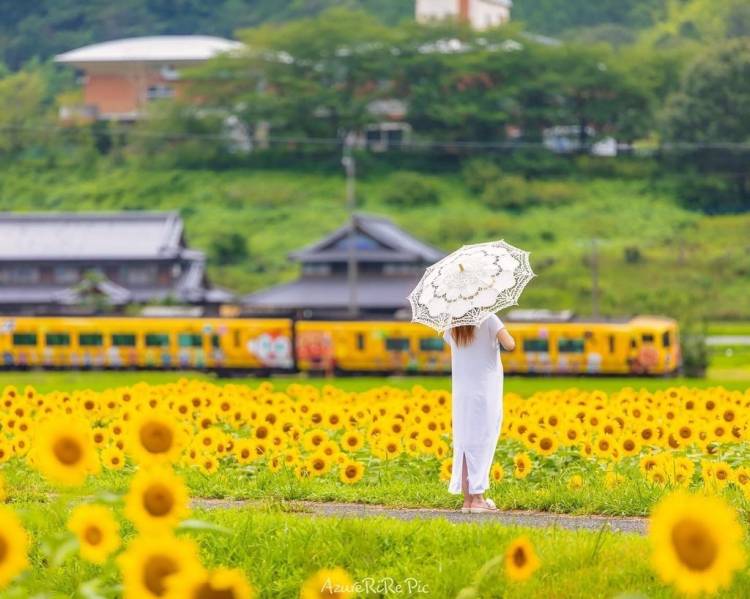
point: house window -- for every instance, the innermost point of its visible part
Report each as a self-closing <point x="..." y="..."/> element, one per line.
<point x="316" y="269"/>
<point x="159" y="91"/>
<point x="400" y="269"/>
<point x="65" y="275"/>
<point x="19" y="275"/>
<point x="138" y="276"/>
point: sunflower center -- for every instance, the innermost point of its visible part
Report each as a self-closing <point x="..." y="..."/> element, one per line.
<point x="67" y="450"/>
<point x="155" y="572"/>
<point x="93" y="535"/>
<point x="519" y="557"/>
<point x="156" y="438"/>
<point x="351" y="472"/>
<point x="545" y="444"/>
<point x="695" y="546"/>
<point x="158" y="500"/>
<point x="206" y="591"/>
<point x="629" y="445"/>
<point x="3" y="549"/>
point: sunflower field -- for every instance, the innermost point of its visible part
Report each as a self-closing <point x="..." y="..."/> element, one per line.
<point x="96" y="486"/>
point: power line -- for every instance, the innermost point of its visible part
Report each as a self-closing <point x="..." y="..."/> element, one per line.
<point x="422" y="144"/>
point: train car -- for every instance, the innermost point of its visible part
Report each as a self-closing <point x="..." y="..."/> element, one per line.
<point x="222" y="344"/>
<point x="641" y="345"/>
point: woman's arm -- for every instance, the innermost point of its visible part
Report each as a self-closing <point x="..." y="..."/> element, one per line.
<point x="506" y="339"/>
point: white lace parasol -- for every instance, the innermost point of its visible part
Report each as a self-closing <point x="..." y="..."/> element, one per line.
<point x="470" y="284"/>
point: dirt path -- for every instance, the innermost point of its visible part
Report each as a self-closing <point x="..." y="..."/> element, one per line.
<point x="633" y="525"/>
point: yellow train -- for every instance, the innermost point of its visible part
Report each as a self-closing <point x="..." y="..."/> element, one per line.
<point x="639" y="345"/>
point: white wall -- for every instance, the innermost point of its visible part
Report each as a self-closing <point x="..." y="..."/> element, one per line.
<point x="482" y="14"/>
<point x="428" y="10"/>
<point x="487" y="14"/>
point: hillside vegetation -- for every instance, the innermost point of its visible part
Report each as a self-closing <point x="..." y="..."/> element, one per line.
<point x="654" y="255"/>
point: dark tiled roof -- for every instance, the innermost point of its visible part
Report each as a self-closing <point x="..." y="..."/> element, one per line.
<point x="333" y="292"/>
<point x="396" y="244"/>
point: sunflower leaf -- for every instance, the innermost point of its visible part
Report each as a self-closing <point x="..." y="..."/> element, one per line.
<point x="193" y="524"/>
<point x="63" y="551"/>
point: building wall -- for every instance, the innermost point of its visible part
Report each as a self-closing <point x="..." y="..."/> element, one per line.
<point x="484" y="15"/>
<point x="120" y="91"/>
<point x="480" y="13"/>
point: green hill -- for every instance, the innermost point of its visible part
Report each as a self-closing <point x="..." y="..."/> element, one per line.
<point x="654" y="255"/>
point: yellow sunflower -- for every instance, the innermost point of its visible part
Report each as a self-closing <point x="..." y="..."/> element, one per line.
<point x="14" y="543"/>
<point x="351" y="472"/>
<point x="697" y="542"/>
<point x="332" y="583"/>
<point x="575" y="482"/>
<point x="318" y="464"/>
<point x="352" y="440"/>
<point x="149" y="561"/>
<point x="64" y="451"/>
<point x="113" y="458"/>
<point x="221" y="583"/>
<point x="497" y="473"/>
<point x="157" y="500"/>
<point x="155" y="438"/>
<point x="97" y="530"/>
<point x="522" y="464"/>
<point x="520" y="560"/>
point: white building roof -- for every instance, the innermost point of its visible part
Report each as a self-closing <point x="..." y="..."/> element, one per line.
<point x="161" y="48"/>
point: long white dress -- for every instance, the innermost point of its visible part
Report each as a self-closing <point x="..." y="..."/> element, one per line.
<point x="477" y="405"/>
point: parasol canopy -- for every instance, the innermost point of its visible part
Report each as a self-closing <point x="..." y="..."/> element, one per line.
<point x="469" y="285"/>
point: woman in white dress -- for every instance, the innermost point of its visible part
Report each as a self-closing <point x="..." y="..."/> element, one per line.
<point x="477" y="407"/>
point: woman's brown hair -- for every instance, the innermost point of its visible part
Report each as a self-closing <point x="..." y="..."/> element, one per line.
<point x="463" y="334"/>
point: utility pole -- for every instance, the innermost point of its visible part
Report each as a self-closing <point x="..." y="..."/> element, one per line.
<point x="594" y="278"/>
<point x="350" y="167"/>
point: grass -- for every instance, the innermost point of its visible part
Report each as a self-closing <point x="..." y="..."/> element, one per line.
<point x="278" y="551"/>
<point x="674" y="260"/>
<point x="46" y="381"/>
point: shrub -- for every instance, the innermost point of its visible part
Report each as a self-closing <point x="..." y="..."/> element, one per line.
<point x="633" y="254"/>
<point x="479" y="173"/>
<point x="410" y="190"/>
<point x="228" y="249"/>
<point x="506" y="193"/>
<point x="694" y="354"/>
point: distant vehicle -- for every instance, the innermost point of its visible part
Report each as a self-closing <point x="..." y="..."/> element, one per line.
<point x="642" y="345"/>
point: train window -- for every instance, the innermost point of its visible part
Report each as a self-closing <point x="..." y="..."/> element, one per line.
<point x="666" y="339"/>
<point x="236" y="337"/>
<point x="535" y="345"/>
<point x="570" y="346"/>
<point x="215" y="341"/>
<point x="611" y="344"/>
<point x="21" y="339"/>
<point x="431" y="344"/>
<point x="647" y="338"/>
<point x="190" y="340"/>
<point x="633" y="342"/>
<point x="360" y="341"/>
<point x="57" y="339"/>
<point x="123" y="340"/>
<point x="157" y="340"/>
<point x="90" y="340"/>
<point x="397" y="344"/>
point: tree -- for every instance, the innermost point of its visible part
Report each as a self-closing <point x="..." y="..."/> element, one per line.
<point x="21" y="105"/>
<point x="712" y="106"/>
